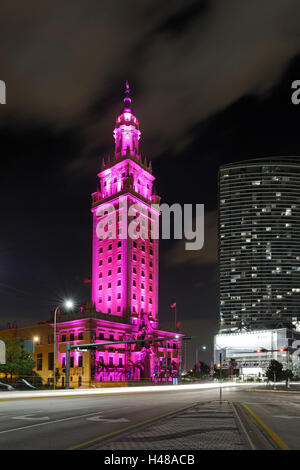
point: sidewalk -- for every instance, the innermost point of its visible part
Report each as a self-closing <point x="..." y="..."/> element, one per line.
<point x="207" y="426"/>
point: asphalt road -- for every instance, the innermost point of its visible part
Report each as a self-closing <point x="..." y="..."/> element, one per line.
<point x="62" y="423"/>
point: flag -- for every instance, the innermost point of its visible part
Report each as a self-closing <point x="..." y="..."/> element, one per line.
<point x="173" y="305"/>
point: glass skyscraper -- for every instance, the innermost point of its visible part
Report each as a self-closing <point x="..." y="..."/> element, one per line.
<point x="259" y="244"/>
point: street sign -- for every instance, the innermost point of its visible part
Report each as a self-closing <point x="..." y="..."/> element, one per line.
<point x="2" y="353"/>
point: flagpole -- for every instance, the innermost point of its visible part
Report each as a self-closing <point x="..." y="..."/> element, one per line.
<point x="174" y="305"/>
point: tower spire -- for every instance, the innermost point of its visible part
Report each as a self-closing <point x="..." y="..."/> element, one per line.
<point x="127" y="99"/>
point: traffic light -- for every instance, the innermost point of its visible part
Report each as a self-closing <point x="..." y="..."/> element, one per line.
<point x="260" y="350"/>
<point x="283" y="349"/>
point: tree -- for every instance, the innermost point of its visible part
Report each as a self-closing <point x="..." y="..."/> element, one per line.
<point x="18" y="362"/>
<point x="274" y="371"/>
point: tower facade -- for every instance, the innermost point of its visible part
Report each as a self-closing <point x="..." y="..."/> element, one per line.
<point x="125" y="227"/>
<point x="259" y="244"/>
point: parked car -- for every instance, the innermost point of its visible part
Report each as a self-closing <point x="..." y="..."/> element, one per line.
<point x="6" y="387"/>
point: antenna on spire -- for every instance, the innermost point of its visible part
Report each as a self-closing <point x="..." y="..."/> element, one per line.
<point x="127" y="98"/>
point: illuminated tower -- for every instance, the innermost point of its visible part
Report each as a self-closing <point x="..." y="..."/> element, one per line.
<point x="125" y="247"/>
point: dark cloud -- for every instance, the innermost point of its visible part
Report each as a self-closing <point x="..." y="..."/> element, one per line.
<point x="207" y="255"/>
<point x="187" y="60"/>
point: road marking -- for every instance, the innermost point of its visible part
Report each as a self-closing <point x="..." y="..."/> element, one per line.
<point x="272" y="391"/>
<point x="286" y="417"/>
<point x="30" y="417"/>
<point x="129" y="428"/>
<point x="47" y="423"/>
<point x="269" y="431"/>
<point x="108" y="420"/>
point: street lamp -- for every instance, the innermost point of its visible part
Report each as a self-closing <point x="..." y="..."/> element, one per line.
<point x="68" y="304"/>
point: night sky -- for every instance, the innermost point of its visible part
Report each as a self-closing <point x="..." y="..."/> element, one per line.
<point x="211" y="84"/>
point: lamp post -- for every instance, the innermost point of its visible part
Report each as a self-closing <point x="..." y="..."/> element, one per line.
<point x="197" y="351"/>
<point x="68" y="304"/>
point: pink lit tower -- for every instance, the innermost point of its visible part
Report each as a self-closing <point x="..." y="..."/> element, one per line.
<point x="126" y="257"/>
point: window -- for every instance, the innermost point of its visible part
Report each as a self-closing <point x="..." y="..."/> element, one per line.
<point x="50" y="360"/>
<point x="119" y="269"/>
<point x="72" y="361"/>
<point x="110" y="246"/>
<point x="151" y="252"/>
<point x="109" y="272"/>
<point x="72" y="337"/>
<point x="39" y="361"/>
<point x="119" y="309"/>
<point x="101" y="335"/>
<point x="80" y="336"/>
<point x="120" y="361"/>
<point x="111" y="361"/>
<point x="111" y="337"/>
<point x="119" y="244"/>
<point x="119" y="296"/>
<point x="109" y="285"/>
<point x="80" y="361"/>
<point x="119" y="282"/>
<point x="63" y="338"/>
<point x="119" y="257"/>
<point x="109" y="259"/>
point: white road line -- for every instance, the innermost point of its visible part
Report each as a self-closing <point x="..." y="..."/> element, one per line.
<point x="108" y="420"/>
<point x="47" y="423"/>
<point x="29" y="417"/>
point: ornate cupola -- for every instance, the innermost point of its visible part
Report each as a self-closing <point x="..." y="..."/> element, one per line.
<point x="126" y="132"/>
